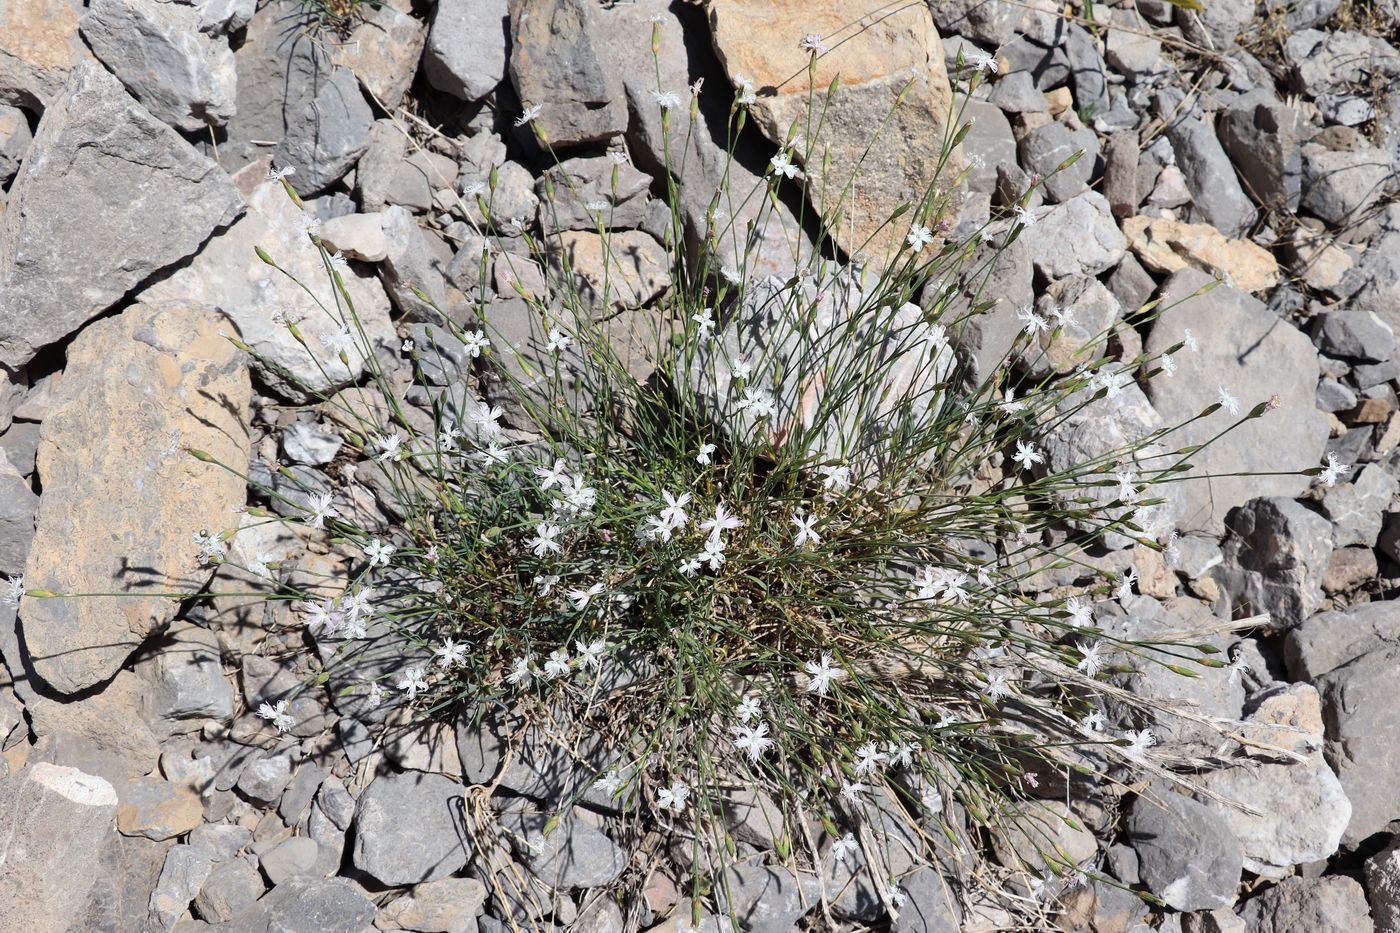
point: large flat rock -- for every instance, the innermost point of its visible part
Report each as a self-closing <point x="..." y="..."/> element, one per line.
<point x="108" y="195"/>
<point x="122" y="499"/>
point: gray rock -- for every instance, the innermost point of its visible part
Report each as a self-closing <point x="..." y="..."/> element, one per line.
<point x="1331" y="904"/>
<point x="221" y="840"/>
<point x="1361" y="726"/>
<point x="1043" y="150"/>
<point x="580" y="182"/>
<point x="1249" y="351"/>
<point x="1187" y="855"/>
<point x="572" y="855"/>
<point x="1332" y="639"/>
<point x="1092" y="311"/>
<point x="1088" y="74"/>
<point x="1017" y="93"/>
<point x="1356" y="508"/>
<point x="766" y="899"/>
<point x="1335" y="396"/>
<point x="126" y="875"/>
<point x="1131" y="48"/>
<point x="304" y="905"/>
<point x="1006" y="279"/>
<point x="383" y="48"/>
<point x="1275" y="560"/>
<point x="289" y="859"/>
<point x="178" y="73"/>
<point x="466" y="51"/>
<point x="305" y="442"/>
<point x="1131" y="284"/>
<point x="58" y="821"/>
<point x="1263" y="137"/>
<point x="187" y="679"/>
<point x="297" y="797"/>
<point x="538" y="766"/>
<point x="267" y="681"/>
<point x="21" y="446"/>
<point x="377" y="169"/>
<point x="1339" y="186"/>
<point x="442" y="359"/>
<point x="185" y="871"/>
<point x="264" y="779"/>
<point x="1383" y="886"/>
<point x="411" y="261"/>
<point x="407" y="828"/>
<point x="15" y="138"/>
<point x="325" y="140"/>
<point x="94" y="140"/>
<point x="1324" y="61"/>
<point x="222" y="17"/>
<point x="1216" y="193"/>
<point x="987" y="145"/>
<point x="554" y="62"/>
<point x="449" y="905"/>
<point x="930" y="905"/>
<point x="230" y="889"/>
<point x="18" y="504"/>
<point x="1374" y="282"/>
<point x="1077" y="237"/>
<point x="1120" y="174"/>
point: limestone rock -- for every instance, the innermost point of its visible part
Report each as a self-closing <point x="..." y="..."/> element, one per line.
<point x="178" y="73"/>
<point x="572" y="855"/>
<point x="449" y="905"/>
<point x="1329" y="640"/>
<point x="626" y="270"/>
<point x="554" y="63"/>
<point x="157" y="809"/>
<point x="1077" y="237"/>
<point x="466" y="51"/>
<point x="1164" y="246"/>
<point x="229" y="275"/>
<point x="123" y="500"/>
<point x="1248" y="350"/>
<point x="407" y="828"/>
<point x="18" y="504"/>
<point x="1275" y="560"/>
<point x="383" y="50"/>
<point x="1187" y="855"/>
<point x="1361" y="726"/>
<point x="93" y="141"/>
<point x="39" y="46"/>
<point x="1333" y="904"/>
<point x="876" y="52"/>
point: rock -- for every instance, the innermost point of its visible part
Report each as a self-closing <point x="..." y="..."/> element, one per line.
<point x="1245" y="348"/>
<point x="1383" y="886"/>
<point x="1263" y="137"/>
<point x="537" y="766"/>
<point x="221" y="840"/>
<point x="1043" y="150"/>
<point x="120" y="425"/>
<point x="328" y="137"/>
<point x="1355" y="335"/>
<point x="39" y="46"/>
<point x="229" y="275"/>
<point x="1131" y="48"/>
<point x="223" y="17"/>
<point x="553" y="62"/>
<point x="157" y="809"/>
<point x="184" y="873"/>
<point x="1350" y="567"/>
<point x="127" y="873"/>
<point x="179" y="74"/>
<point x="1332" y="639"/>
<point x="289" y="859"/>
<point x="1092" y="311"/>
<point x="18" y="503"/>
<point x="1040" y="834"/>
<point x="303" y="442"/>
<point x="230" y="889"/>
<point x="263" y="779"/>
<point x="186" y="672"/>
<point x="267" y="681"/>
<point x="988" y="335"/>
<point x="15" y="138"/>
<point x="1275" y="560"/>
<point x="626" y="270"/>
<point x="1360" y="723"/>
<point x="1356" y="508"/>
<point x="466" y="51"/>
<point x="1332" y="904"/>
<point x="78" y="732"/>
<point x="1077" y="237"/>
<point x="304" y="905"/>
<point x="571" y="855"/>
<point x="382" y="50"/>
<point x="930" y="905"/>
<point x="449" y="905"/>
<point x="95" y="139"/>
<point x="1120" y="181"/>
<point x="1340" y="186"/>
<point x="1186" y="855"/>
<point x="411" y="262"/>
<point x="58" y="822"/>
<point x="581" y="182"/>
<point x="1216" y="194"/>
<point x="1323" y="61"/>
<point x="406" y="828"/>
<point x="1017" y="93"/>
<point x="358" y="236"/>
<point x="988" y="144"/>
<point x="417" y="177"/>
<point x="1164" y="246"/>
<point x="377" y="172"/>
<point x="875" y="54"/>
<point x="766" y="899"/>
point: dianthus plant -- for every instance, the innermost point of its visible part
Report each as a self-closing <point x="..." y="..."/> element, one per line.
<point x="769" y="537"/>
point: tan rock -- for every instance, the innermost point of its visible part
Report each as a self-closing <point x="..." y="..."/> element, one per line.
<point x="79" y="733"/>
<point x="39" y="45"/>
<point x="625" y="270"/>
<point x="358" y="236"/>
<point x="1164" y="246"/>
<point x="1289" y="718"/>
<point x="383" y="50"/>
<point x="1058" y="101"/>
<point x="157" y="809"/>
<point x="876" y="51"/>
<point x="123" y="499"/>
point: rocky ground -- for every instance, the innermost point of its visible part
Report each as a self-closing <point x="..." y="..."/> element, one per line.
<point x="1252" y="143"/>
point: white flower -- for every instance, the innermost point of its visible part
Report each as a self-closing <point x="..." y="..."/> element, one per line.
<point x="553" y="476"/>
<point x="545" y="583"/>
<point x="747" y="709"/>
<point x="1063" y="316"/>
<point x="310" y="225"/>
<point x="1172" y="551"/>
<point x="1237" y="668"/>
<point x="932" y="800"/>
<point x="390" y="446"/>
<point x="835" y="479"/>
<point x="544" y="540"/>
<point x="1031" y="322"/>
<point x="1227" y="401"/>
<point x="665" y="100"/>
<point x="493" y="453"/>
<point x="529" y="114"/>
<point x="558" y="341"/>
<point x="1168" y="364"/>
<point x="689" y="566"/>
<point x="487" y="417"/>
<point x="413" y="682"/>
<point x="277" y="174"/>
<point x="609" y="783"/>
<point x="869" y="758"/>
<point x="901" y="754"/>
<point x="1093" y="660"/>
<point x="998" y="685"/>
<point x="713" y="553"/>
<point x="211" y="546"/>
<point x="582" y="597"/>
<point x="674" y="513"/>
<point x="277" y="715"/>
<point x="723" y="521"/>
<point x="590" y="654"/>
<point x="1024" y="215"/>
<point x="812" y="43"/>
<point x="674" y="797"/>
<point x="703" y="458"/>
<point x="983" y="63"/>
<point x="757" y="402"/>
<point x="1081" y="613"/>
<point x="1138" y="742"/>
<point x="844" y="847"/>
<point x="752" y="739"/>
<point x="1189" y="341"/>
<point x="782" y="165"/>
<point x="520" y="672"/>
<point x="1125" y="586"/>
<point x="745" y="96"/>
<point x="1126" y="490"/>
<point x="319" y="510"/>
<point x="557" y="664"/>
<point x="851" y="791"/>
<point x="473" y="342"/>
<point x="379" y="553"/>
<point x="1010" y="404"/>
<point x="1094" y="722"/>
<point x="823" y="674"/>
<point x="919" y="237"/>
<point x="450" y="653"/>
<point x="322" y="616"/>
<point x="338" y="259"/>
<point x="704" y="323"/>
<point x="1335" y="468"/>
<point x="376" y="693"/>
<point x="806" y="533"/>
<point x="1026" y="455"/>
